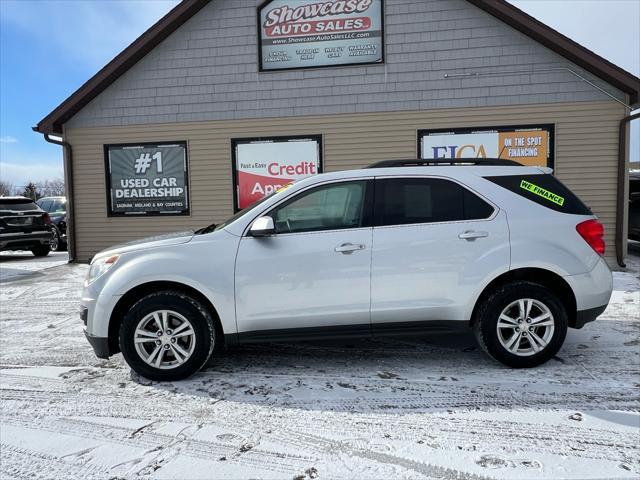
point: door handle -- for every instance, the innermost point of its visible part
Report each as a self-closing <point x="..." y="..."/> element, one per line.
<point x="348" y="248"/>
<point x="472" y="235"/>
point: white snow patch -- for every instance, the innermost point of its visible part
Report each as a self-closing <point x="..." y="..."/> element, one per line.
<point x="424" y="407"/>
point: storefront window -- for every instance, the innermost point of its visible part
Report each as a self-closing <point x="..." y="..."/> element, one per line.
<point x="147" y="179"/>
<point x="528" y="145"/>
<point x="262" y="166"/>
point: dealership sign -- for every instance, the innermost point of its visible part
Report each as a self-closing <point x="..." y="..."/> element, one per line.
<point x="261" y="167"/>
<point x="147" y="179"/>
<point x="307" y="33"/>
<point x="530" y="145"/>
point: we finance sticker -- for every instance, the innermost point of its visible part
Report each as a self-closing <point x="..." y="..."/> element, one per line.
<point x="541" y="192"/>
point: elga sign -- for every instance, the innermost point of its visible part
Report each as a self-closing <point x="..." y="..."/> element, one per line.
<point x="528" y="145"/>
<point x="147" y="179"/>
<point x="304" y="33"/>
<point x="262" y="166"/>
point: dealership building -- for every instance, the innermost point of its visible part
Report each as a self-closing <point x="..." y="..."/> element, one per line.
<point x="223" y="101"/>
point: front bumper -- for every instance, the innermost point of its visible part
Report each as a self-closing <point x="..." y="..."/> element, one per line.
<point x="100" y="345"/>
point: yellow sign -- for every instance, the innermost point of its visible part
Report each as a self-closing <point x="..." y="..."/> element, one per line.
<point x="526" y="147"/>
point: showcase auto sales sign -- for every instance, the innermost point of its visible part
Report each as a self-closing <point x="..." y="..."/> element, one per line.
<point x="304" y="33"/>
<point x="261" y="168"/>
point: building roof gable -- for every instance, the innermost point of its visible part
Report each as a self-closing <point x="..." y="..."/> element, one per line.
<point x="501" y="9"/>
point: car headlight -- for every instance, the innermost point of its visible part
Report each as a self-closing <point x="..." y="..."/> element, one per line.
<point x="99" y="267"/>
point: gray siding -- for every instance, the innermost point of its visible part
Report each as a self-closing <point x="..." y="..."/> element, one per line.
<point x="208" y="70"/>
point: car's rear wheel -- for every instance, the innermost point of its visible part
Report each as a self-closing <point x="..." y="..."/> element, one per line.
<point x="55" y="240"/>
<point x="521" y="324"/>
<point x="167" y="336"/>
<point x="41" y="250"/>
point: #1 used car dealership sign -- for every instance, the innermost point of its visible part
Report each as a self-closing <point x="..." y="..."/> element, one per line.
<point x="147" y="179"/>
<point x="303" y="34"/>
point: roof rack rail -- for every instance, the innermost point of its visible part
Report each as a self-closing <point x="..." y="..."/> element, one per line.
<point x="428" y="162"/>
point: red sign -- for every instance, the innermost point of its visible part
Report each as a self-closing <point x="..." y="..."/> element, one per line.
<point x="263" y="167"/>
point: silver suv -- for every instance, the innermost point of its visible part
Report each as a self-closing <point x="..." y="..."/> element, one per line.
<point x="400" y="248"/>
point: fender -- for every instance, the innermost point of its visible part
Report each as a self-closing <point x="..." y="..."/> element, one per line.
<point x="206" y="266"/>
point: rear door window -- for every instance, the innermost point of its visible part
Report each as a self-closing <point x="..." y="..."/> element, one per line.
<point x="406" y="201"/>
<point x="545" y="190"/>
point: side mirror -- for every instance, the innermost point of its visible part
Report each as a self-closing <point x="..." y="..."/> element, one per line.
<point x="262" y="227"/>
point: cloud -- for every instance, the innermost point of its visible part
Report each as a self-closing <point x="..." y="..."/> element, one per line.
<point x="8" y="139"/>
<point x="105" y="27"/>
<point x="20" y="174"/>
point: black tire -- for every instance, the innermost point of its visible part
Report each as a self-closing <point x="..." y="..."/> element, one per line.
<point x="55" y="240"/>
<point x="206" y="335"/>
<point x="57" y="244"/>
<point x="41" y="250"/>
<point x="486" y="321"/>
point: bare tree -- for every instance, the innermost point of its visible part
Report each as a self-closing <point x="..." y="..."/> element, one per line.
<point x="31" y="191"/>
<point x="6" y="189"/>
<point x="51" y="188"/>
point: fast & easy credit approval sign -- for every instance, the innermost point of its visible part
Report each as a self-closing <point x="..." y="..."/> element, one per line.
<point x="263" y="166"/>
<point x="315" y="33"/>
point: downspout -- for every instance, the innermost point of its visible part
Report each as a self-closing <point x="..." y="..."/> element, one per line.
<point x="68" y="181"/>
<point x="622" y="197"/>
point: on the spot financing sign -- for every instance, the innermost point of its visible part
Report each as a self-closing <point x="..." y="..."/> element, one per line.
<point x="262" y="167"/>
<point x="308" y="33"/>
<point x="530" y="145"/>
<point x="147" y="179"/>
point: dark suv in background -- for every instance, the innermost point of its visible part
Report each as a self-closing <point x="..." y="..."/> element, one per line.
<point x="56" y="207"/>
<point x="24" y="226"/>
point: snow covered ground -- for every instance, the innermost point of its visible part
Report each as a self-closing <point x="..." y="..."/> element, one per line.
<point x="24" y="264"/>
<point x="403" y="408"/>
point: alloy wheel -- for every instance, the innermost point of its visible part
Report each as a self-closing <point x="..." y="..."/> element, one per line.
<point x="55" y="241"/>
<point x="525" y="327"/>
<point x="164" y="339"/>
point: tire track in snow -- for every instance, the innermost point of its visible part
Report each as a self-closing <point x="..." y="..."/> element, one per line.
<point x="162" y="447"/>
<point x="27" y="464"/>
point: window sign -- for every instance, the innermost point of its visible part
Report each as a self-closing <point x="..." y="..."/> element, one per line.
<point x="528" y="145"/>
<point x="262" y="166"/>
<point x="147" y="179"/>
<point x="308" y="33"/>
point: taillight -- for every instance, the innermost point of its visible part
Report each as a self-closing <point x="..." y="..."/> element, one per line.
<point x="593" y="233"/>
<point x="46" y="219"/>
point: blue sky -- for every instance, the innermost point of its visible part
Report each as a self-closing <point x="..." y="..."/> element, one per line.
<point x="48" y="48"/>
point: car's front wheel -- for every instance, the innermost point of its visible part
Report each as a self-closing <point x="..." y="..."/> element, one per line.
<point x="167" y="336"/>
<point x="522" y="324"/>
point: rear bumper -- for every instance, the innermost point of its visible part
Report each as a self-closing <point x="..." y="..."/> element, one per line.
<point x="593" y="289"/>
<point x="586" y="316"/>
<point x="100" y="345"/>
<point x="24" y="241"/>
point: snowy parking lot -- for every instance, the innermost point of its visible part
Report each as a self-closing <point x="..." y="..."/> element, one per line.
<point x="433" y="407"/>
